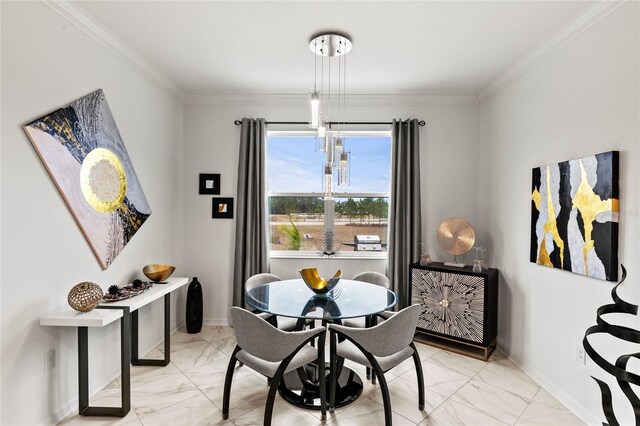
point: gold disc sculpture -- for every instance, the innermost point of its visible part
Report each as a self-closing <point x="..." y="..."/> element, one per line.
<point x="456" y="236"/>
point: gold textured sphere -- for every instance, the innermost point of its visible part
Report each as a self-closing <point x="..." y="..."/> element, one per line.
<point x="85" y="296"/>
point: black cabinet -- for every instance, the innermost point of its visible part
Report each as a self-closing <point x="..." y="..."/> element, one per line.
<point x="459" y="308"/>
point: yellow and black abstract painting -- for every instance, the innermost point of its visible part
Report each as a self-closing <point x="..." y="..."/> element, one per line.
<point x="574" y="216"/>
<point x="81" y="147"/>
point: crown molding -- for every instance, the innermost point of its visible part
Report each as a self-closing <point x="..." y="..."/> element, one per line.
<point x="111" y="42"/>
<point x="547" y="48"/>
<point x="537" y="55"/>
<point x="351" y="100"/>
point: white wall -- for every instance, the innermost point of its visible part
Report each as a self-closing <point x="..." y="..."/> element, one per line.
<point x="580" y="101"/>
<point x="47" y="63"/>
<point x="448" y="165"/>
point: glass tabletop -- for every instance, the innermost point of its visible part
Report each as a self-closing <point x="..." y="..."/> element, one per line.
<point x="292" y="298"/>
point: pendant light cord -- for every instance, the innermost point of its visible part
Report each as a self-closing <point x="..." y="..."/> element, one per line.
<point x="329" y="88"/>
<point x="322" y="75"/>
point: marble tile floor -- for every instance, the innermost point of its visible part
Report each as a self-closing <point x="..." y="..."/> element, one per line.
<point x="459" y="391"/>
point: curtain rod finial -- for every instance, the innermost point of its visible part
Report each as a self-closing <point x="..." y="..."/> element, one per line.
<point x="237" y="122"/>
<point x="421" y="123"/>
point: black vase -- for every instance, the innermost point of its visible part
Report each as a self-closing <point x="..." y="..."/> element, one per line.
<point x="194" y="307"/>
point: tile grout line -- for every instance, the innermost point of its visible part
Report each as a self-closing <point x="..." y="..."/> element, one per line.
<point x="252" y="372"/>
<point x="525" y="408"/>
<point x="187" y="378"/>
<point x="469" y="405"/>
<point x="140" y="417"/>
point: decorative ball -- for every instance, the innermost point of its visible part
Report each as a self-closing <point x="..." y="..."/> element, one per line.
<point x="136" y="283"/>
<point x="113" y="289"/>
<point x="85" y="296"/>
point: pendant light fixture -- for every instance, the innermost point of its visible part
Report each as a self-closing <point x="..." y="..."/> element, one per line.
<point x="315" y="96"/>
<point x="331" y="46"/>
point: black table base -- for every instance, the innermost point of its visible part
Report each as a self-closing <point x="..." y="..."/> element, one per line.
<point x="300" y="387"/>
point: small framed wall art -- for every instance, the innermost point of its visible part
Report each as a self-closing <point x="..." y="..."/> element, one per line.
<point x="209" y="184"/>
<point x="222" y="208"/>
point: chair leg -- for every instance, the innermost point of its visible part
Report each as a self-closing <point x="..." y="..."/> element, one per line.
<point x="384" y="389"/>
<point x="227" y="384"/>
<point x="321" y="378"/>
<point x="367" y="324"/>
<point x="271" y="398"/>
<point x="419" y="376"/>
<point x="333" y="372"/>
<point x="268" y="410"/>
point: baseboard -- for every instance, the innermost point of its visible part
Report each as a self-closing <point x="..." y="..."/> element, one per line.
<point x="574" y="406"/>
<point x="216" y="321"/>
<point x="99" y="383"/>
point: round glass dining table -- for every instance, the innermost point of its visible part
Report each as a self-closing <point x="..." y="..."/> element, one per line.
<point x="292" y="298"/>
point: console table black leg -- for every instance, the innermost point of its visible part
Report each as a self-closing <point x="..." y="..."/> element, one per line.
<point x="167" y="328"/>
<point x="83" y="368"/>
<point x="167" y="338"/>
<point x="125" y="361"/>
<point x="134" y="337"/>
<point x="125" y="365"/>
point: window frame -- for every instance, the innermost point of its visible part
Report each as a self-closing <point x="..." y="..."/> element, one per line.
<point x="296" y="254"/>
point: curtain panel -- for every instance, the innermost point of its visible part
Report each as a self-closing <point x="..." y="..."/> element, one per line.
<point x="404" y="208"/>
<point x="251" y="253"/>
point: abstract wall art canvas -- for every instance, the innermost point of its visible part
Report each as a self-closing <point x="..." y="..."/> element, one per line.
<point x="83" y="152"/>
<point x="574" y="216"/>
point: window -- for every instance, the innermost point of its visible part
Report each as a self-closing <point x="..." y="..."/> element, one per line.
<point x="300" y="217"/>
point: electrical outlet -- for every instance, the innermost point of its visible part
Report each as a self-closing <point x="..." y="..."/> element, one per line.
<point x="581" y="356"/>
<point x="49" y="360"/>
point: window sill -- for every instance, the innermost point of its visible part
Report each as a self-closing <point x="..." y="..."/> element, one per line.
<point x="281" y="254"/>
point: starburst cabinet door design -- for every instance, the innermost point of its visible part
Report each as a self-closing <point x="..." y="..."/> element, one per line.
<point x="459" y="307"/>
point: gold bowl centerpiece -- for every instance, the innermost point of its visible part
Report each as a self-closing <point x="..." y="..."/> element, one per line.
<point x="158" y="272"/>
<point x="316" y="283"/>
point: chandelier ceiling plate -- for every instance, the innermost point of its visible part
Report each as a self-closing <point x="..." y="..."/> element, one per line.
<point x="330" y="44"/>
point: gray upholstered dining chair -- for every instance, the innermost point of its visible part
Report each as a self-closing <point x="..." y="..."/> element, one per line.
<point x="381" y="348"/>
<point x="283" y="323"/>
<point x="259" y="279"/>
<point x="272" y="352"/>
<point x="376" y="278"/>
<point x="372" y="278"/>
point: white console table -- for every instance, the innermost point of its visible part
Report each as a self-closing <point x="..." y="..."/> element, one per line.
<point x="127" y="312"/>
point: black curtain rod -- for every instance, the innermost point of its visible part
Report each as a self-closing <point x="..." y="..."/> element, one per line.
<point x="421" y="123"/>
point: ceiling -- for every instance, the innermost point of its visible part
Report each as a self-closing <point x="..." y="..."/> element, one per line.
<point x="399" y="47"/>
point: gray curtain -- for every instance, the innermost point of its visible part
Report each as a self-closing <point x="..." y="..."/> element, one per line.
<point x="404" y="207"/>
<point x="251" y="207"/>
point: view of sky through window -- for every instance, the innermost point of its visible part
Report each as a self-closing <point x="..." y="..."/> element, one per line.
<point x="293" y="164"/>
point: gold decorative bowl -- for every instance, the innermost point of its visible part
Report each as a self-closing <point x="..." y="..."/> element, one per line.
<point x="158" y="272"/>
<point x="316" y="284"/>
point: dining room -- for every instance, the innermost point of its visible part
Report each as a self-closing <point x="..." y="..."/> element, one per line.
<point x="319" y="212"/>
